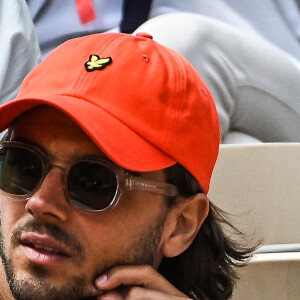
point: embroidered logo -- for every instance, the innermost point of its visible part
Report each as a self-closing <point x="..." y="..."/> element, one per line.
<point x="95" y="62"/>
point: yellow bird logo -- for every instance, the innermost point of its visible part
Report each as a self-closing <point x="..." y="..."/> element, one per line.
<point x="95" y="62"/>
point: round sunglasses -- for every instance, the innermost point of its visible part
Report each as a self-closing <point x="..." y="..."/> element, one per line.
<point x="93" y="184"/>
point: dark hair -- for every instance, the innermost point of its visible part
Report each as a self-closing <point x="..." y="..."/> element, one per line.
<point x="206" y="270"/>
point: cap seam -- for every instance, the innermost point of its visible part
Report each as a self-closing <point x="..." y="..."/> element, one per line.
<point x="177" y="102"/>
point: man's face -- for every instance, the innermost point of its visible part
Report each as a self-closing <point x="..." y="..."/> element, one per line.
<point x="53" y="250"/>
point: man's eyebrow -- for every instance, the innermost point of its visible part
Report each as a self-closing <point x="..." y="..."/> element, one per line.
<point x="48" y="154"/>
<point x="75" y="157"/>
<point x="24" y="140"/>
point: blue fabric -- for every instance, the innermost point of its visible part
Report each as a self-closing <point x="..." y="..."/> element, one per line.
<point x="135" y="13"/>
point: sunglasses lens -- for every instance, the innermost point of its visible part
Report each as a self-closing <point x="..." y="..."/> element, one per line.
<point x="20" y="170"/>
<point x="92" y="185"/>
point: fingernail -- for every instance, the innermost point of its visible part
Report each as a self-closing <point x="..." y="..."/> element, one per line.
<point x="101" y="280"/>
<point x="107" y="297"/>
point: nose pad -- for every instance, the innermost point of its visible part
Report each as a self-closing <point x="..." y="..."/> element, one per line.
<point x="49" y="202"/>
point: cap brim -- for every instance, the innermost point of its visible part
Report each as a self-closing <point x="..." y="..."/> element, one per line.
<point x="119" y="142"/>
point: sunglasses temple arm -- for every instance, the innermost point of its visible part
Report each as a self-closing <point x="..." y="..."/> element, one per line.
<point x="147" y="185"/>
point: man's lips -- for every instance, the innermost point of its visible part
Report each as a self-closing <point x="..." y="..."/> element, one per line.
<point x="42" y="247"/>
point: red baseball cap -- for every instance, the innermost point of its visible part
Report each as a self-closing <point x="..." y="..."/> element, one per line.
<point x="143" y="104"/>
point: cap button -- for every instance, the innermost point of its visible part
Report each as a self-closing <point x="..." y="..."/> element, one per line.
<point x="145" y="35"/>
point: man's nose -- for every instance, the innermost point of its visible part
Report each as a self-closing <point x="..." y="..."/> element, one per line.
<point x="49" y="202"/>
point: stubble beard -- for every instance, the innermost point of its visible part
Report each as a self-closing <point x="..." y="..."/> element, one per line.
<point x="141" y="252"/>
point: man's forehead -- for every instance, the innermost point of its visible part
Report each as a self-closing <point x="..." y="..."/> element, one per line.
<point x="44" y="114"/>
<point x="52" y="130"/>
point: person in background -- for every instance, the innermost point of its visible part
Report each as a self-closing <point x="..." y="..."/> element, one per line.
<point x="255" y="84"/>
<point x="278" y="21"/>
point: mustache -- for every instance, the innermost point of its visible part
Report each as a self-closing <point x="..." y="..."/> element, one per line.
<point x="50" y="229"/>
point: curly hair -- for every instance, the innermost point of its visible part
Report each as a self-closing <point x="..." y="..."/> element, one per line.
<point x="206" y="270"/>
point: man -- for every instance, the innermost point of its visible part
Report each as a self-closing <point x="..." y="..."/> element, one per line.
<point x="105" y="168"/>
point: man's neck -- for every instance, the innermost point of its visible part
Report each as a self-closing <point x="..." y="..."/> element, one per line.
<point x="5" y="293"/>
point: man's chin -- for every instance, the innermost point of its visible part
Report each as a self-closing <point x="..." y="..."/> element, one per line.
<point x="37" y="283"/>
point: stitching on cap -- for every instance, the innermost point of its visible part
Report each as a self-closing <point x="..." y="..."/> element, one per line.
<point x="178" y="103"/>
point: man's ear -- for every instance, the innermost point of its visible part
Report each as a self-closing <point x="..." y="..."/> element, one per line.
<point x="183" y="223"/>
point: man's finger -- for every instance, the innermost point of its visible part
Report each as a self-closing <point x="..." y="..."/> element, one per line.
<point x="113" y="295"/>
<point x="144" y="276"/>
<point x="139" y="293"/>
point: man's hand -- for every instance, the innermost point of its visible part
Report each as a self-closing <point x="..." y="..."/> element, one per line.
<point x="144" y="283"/>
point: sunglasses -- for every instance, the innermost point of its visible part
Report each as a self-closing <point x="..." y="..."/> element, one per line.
<point x="93" y="184"/>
